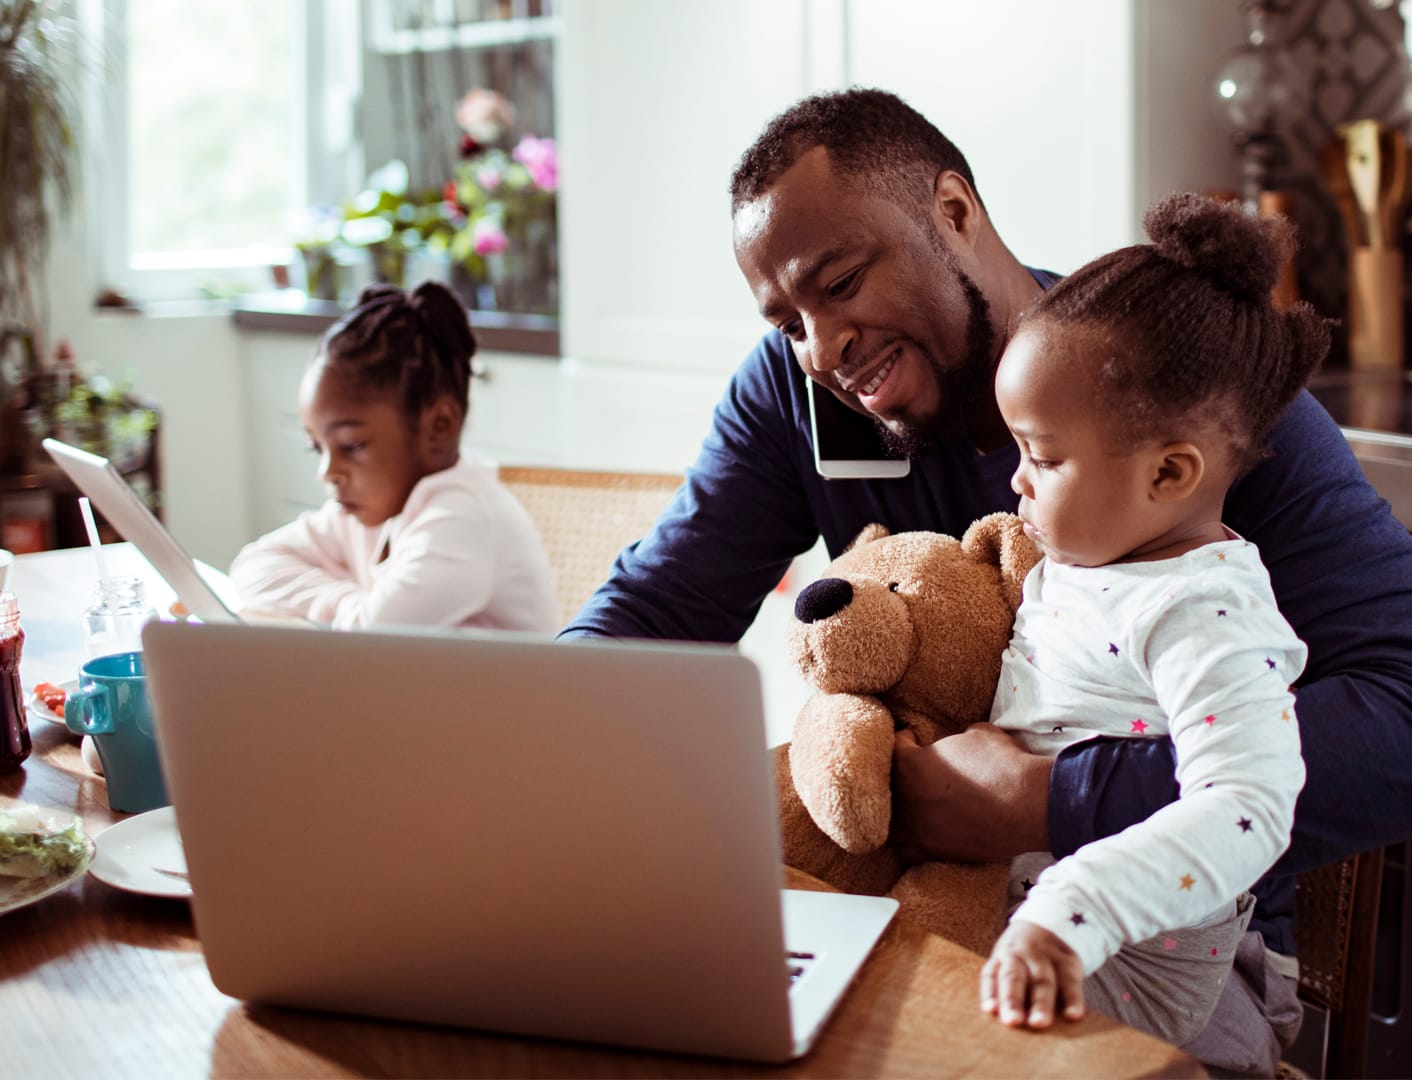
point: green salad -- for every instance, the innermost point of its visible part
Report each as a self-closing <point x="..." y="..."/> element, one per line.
<point x="33" y="844"/>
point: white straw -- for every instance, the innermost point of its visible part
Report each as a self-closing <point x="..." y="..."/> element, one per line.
<point x="87" y="510"/>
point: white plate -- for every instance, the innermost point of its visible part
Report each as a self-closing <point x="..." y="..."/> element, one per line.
<point x="40" y="711"/>
<point x="132" y="855"/>
<point x="20" y="892"/>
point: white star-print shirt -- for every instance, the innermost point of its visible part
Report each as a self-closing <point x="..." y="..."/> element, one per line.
<point x="1192" y="649"/>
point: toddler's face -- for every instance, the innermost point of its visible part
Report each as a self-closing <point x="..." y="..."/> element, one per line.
<point x="1084" y="500"/>
<point x="369" y="459"/>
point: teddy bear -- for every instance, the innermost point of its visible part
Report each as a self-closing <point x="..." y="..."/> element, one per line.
<point x="900" y="631"/>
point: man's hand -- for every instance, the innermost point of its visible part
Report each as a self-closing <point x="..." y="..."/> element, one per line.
<point x="973" y="797"/>
<point x="1030" y="975"/>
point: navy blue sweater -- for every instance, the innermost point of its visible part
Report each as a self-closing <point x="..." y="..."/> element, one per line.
<point x="1341" y="567"/>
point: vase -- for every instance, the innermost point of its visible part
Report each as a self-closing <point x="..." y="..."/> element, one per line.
<point x="320" y="273"/>
<point x="389" y="260"/>
<point x="476" y="291"/>
<point x="525" y="277"/>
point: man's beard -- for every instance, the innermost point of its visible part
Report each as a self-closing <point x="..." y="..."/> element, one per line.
<point x="961" y="389"/>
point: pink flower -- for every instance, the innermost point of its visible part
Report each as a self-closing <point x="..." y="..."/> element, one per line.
<point x="488" y="178"/>
<point x="488" y="238"/>
<point x="484" y="114"/>
<point x="541" y="158"/>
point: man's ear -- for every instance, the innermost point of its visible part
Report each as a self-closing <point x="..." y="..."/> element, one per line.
<point x="956" y="211"/>
<point x="1178" y="469"/>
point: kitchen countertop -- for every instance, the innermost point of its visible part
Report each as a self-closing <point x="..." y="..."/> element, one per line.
<point x="290" y="311"/>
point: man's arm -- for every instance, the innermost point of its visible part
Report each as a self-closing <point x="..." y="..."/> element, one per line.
<point x="730" y="532"/>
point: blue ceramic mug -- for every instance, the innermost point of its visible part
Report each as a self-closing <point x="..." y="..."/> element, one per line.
<point x="112" y="706"/>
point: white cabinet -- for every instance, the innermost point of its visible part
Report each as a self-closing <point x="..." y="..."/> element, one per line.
<point x="656" y="101"/>
<point x="1075" y="116"/>
<point x="282" y="470"/>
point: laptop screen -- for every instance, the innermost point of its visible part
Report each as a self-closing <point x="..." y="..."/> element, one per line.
<point x="129" y="515"/>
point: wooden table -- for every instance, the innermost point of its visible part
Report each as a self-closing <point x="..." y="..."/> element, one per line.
<point x="98" y="982"/>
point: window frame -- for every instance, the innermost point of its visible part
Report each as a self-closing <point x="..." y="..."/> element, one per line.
<point x="327" y="163"/>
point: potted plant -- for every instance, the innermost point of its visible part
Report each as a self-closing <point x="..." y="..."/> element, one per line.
<point x="394" y="223"/>
<point x="391" y="225"/>
<point x="38" y="169"/>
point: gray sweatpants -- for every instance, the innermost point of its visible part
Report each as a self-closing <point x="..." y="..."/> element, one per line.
<point x="1258" y="1015"/>
<point x="1171" y="985"/>
<point x="1168" y="985"/>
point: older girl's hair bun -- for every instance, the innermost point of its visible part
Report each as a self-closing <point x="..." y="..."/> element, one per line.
<point x="445" y="318"/>
<point x="1236" y="251"/>
<point x="419" y="343"/>
<point x="379" y="292"/>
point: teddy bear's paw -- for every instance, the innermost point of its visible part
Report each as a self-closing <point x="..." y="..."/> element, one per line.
<point x="856" y="825"/>
<point x="841" y="763"/>
<point x="805" y="847"/>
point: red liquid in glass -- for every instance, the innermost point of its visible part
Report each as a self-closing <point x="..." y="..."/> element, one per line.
<point x="14" y="726"/>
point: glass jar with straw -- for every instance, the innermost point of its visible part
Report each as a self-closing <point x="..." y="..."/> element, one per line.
<point x="113" y="622"/>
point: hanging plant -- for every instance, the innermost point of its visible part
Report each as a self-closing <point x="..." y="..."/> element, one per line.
<point x="38" y="169"/>
<point x="38" y="142"/>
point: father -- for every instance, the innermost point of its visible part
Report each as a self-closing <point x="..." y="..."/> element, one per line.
<point x="860" y="232"/>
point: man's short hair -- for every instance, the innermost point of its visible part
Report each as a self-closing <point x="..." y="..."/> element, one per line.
<point x="872" y="136"/>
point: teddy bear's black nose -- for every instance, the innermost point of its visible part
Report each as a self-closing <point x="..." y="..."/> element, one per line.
<point x="822" y="598"/>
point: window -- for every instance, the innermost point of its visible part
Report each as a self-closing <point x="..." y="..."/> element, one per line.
<point x="221" y="124"/>
<point x="461" y="92"/>
<point x="234" y="136"/>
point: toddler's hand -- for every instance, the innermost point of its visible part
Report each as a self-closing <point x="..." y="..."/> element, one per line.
<point x="1030" y="973"/>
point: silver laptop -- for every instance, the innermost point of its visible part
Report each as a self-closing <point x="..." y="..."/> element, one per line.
<point x="573" y="840"/>
<point x="126" y="512"/>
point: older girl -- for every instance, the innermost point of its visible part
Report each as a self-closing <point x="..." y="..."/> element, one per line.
<point x="414" y="532"/>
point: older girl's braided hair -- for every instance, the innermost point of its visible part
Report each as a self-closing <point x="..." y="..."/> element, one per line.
<point x="416" y="344"/>
<point x="1188" y="323"/>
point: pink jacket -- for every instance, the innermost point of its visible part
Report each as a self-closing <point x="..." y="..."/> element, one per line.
<point x="463" y="552"/>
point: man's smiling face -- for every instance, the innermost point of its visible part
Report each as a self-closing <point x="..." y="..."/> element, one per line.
<point x="875" y="304"/>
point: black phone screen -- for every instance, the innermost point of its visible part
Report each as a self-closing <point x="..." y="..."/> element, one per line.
<point x="847" y="444"/>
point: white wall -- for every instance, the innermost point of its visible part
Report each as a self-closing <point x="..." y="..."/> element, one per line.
<point x="1074" y="115"/>
<point x="1038" y="97"/>
<point x="188" y="362"/>
<point x="1183" y="141"/>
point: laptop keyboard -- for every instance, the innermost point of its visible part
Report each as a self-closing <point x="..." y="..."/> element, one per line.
<point x="797" y="963"/>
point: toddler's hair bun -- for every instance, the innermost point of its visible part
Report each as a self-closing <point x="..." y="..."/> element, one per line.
<point x="1237" y="251"/>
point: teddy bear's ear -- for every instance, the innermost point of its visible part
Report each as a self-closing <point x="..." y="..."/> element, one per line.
<point x="999" y="539"/>
<point x="868" y="535"/>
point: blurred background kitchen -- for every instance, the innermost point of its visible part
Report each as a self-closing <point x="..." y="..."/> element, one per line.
<point x="238" y="171"/>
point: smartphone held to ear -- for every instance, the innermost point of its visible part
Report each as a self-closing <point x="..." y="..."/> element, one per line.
<point x="847" y="445"/>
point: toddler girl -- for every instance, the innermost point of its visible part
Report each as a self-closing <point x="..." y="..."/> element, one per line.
<point x="1137" y="390"/>
<point x="413" y="532"/>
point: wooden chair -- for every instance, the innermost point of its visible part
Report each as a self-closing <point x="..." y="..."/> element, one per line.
<point x="586" y="519"/>
<point x="1338" y="903"/>
<point x="1337" y="933"/>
